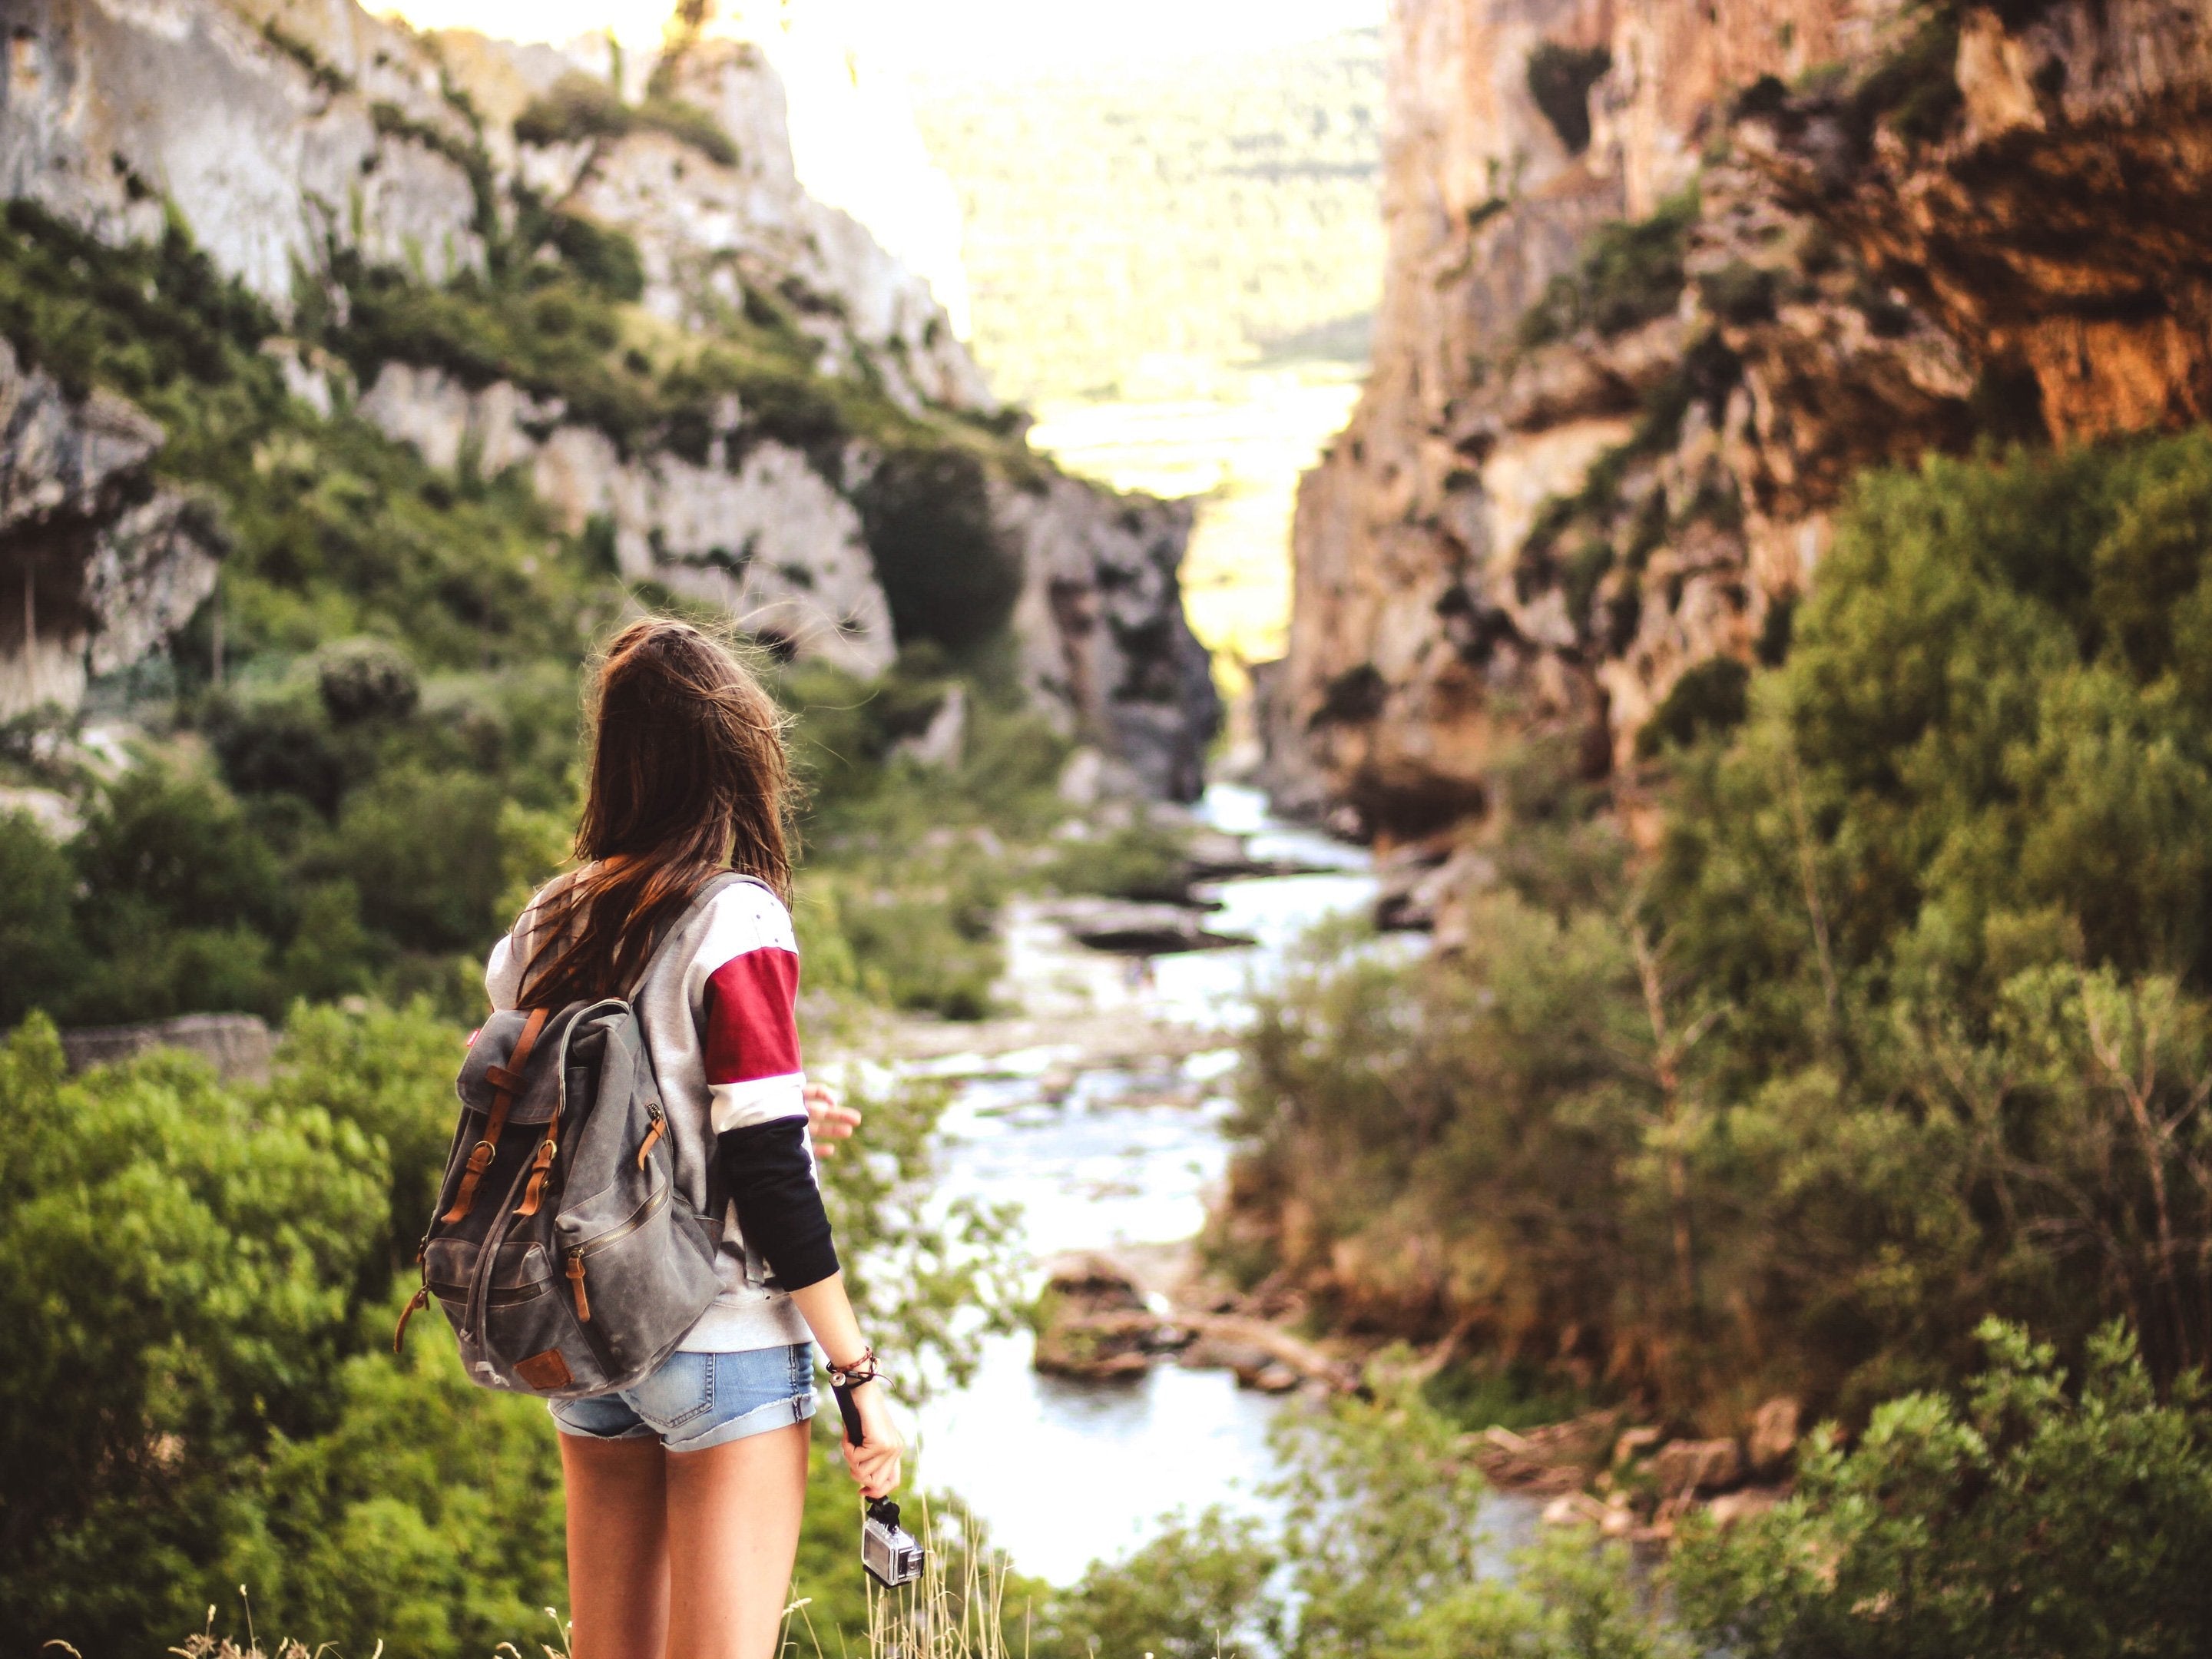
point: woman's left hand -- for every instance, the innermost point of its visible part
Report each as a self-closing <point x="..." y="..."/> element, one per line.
<point x="875" y="1461"/>
<point x="827" y="1123"/>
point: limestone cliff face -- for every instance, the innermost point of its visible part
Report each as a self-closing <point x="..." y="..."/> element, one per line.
<point x="266" y="140"/>
<point x="704" y="230"/>
<point x="768" y="539"/>
<point x="300" y="138"/>
<point x="97" y="563"/>
<point x="1101" y="624"/>
<point x="1638" y="335"/>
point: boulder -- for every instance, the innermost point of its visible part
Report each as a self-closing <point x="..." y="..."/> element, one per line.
<point x="1636" y="1442"/>
<point x="1682" y="1468"/>
<point x="1217" y="1353"/>
<point x="1773" y="1436"/>
<point x="1096" y="1326"/>
<point x="1132" y="928"/>
<point x="1731" y="1507"/>
<point x="239" y="1046"/>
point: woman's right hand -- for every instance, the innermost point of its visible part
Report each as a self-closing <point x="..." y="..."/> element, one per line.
<point x="828" y="1119"/>
<point x="875" y="1462"/>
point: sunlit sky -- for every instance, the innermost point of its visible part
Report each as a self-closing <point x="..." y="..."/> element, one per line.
<point x="951" y="36"/>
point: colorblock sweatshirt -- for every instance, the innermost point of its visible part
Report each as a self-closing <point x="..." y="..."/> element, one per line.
<point x="718" y="1004"/>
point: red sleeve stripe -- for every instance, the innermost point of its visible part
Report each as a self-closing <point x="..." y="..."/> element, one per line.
<point x="752" y="1028"/>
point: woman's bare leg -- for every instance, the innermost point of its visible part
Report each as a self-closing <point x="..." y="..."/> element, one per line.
<point x="733" y="1515"/>
<point x="617" y="1546"/>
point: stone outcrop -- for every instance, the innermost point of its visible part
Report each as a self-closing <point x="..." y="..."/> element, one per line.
<point x="1104" y="637"/>
<point x="98" y="563"/>
<point x="1634" y="346"/>
<point x="240" y="1047"/>
<point x="299" y="139"/>
<point x="257" y="122"/>
<point x="705" y="230"/>
<point x="1095" y="1324"/>
<point x="768" y="539"/>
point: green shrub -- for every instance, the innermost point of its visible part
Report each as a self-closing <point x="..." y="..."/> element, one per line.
<point x="950" y="575"/>
<point x="606" y="259"/>
<point x="38" y="933"/>
<point x="1568" y="1598"/>
<point x="582" y="108"/>
<point x="689" y="125"/>
<point x="160" y="845"/>
<point x="423" y="849"/>
<point x="366" y="679"/>
<point x="577" y="109"/>
<point x="1914" y="89"/>
<point x="1139" y="860"/>
<point x="277" y="741"/>
<point x="134" y="318"/>
<point x="1710" y="697"/>
<point x="1197" y="1591"/>
<point x="1739" y="293"/>
<point x="1630" y="273"/>
<point x="184" y="1265"/>
<point x="2028" y="1519"/>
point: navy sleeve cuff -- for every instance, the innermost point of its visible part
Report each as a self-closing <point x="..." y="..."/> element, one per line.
<point x="768" y="1176"/>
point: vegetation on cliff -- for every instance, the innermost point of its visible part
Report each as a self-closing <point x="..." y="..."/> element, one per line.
<point x="1905" y="1022"/>
<point x="298" y="831"/>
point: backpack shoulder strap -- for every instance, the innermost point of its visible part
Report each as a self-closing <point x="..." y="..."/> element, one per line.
<point x="713" y="890"/>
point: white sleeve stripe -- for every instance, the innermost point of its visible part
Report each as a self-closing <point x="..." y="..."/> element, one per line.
<point x="501" y="974"/>
<point x="757" y="1100"/>
<point x="743" y="918"/>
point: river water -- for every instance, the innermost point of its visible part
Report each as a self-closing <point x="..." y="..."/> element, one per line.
<point x="1119" y="1156"/>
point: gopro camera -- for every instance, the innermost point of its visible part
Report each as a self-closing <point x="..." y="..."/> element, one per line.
<point x="888" y="1550"/>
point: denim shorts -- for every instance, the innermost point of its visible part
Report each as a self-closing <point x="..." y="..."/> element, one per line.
<point x="696" y="1400"/>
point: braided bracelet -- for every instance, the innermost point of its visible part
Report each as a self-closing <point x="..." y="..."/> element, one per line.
<point x="863" y="1370"/>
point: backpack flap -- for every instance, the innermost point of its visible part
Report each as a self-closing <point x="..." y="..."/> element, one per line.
<point x="493" y="1050"/>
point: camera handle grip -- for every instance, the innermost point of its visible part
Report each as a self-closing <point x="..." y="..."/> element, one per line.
<point x="850" y="1412"/>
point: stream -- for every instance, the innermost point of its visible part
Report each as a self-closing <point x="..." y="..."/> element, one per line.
<point x="1121" y="1155"/>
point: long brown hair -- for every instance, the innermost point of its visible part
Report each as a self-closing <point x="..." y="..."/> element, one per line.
<point x="689" y="778"/>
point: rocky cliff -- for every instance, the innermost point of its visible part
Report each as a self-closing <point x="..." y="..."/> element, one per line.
<point x="346" y="172"/>
<point x="1662" y="278"/>
<point x="104" y="561"/>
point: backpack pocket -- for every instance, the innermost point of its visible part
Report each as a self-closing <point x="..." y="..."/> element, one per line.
<point x="637" y="1270"/>
<point x="530" y="1338"/>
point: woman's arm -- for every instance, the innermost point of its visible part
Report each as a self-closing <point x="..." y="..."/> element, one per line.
<point x="828" y="1314"/>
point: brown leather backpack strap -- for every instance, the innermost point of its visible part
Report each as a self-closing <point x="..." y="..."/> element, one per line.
<point x="414" y="1303"/>
<point x="540" y="1168"/>
<point x="506" y="1083"/>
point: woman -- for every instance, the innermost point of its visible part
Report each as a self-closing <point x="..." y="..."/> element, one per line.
<point x="684" y="1492"/>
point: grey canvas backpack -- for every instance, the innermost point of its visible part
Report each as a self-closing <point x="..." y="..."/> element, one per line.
<point x="560" y="1251"/>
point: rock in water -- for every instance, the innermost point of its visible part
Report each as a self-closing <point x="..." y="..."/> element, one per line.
<point x="1097" y="1325"/>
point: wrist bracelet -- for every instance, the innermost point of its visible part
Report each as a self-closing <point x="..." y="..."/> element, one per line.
<point x="863" y="1370"/>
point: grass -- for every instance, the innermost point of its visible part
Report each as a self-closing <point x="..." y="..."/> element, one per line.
<point x="956" y="1610"/>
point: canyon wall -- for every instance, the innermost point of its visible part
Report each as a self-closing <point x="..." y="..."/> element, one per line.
<point x="1662" y="278"/>
<point x="109" y="561"/>
<point x="302" y="143"/>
